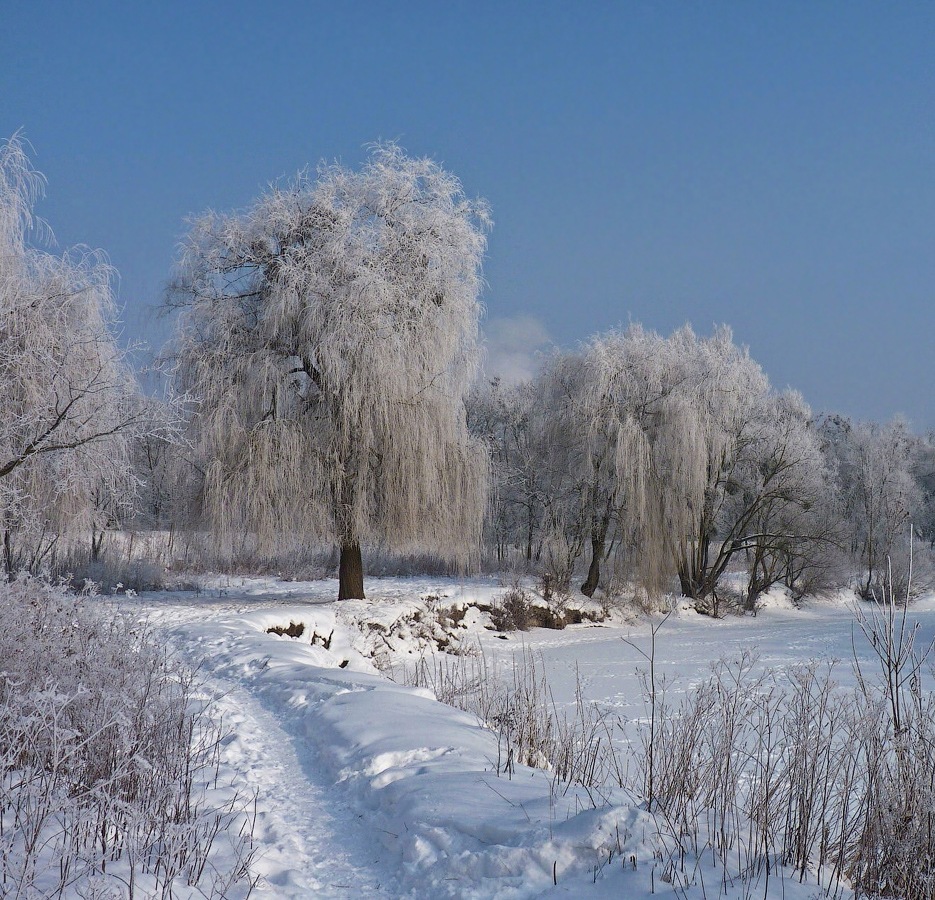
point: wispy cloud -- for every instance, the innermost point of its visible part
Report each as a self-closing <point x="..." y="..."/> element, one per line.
<point x="513" y="345"/>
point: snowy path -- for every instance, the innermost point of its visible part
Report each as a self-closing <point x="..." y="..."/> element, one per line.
<point x="366" y="788"/>
<point x="310" y="844"/>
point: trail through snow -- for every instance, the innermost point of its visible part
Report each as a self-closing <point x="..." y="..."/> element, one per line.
<point x="311" y="843"/>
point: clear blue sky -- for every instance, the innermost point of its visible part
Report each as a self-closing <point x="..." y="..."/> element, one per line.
<point x="767" y="165"/>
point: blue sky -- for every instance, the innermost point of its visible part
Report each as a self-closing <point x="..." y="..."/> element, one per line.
<point x="767" y="165"/>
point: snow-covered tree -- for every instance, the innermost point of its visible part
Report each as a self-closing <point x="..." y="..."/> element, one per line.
<point x="633" y="391"/>
<point x="716" y="431"/>
<point x="779" y="508"/>
<point x="567" y="473"/>
<point x="509" y="419"/>
<point x="875" y="472"/>
<point x="330" y="333"/>
<point x="672" y="455"/>
<point x="69" y="404"/>
<point x="923" y="470"/>
<point x="617" y="422"/>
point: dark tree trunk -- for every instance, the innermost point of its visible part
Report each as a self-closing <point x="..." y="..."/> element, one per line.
<point x="599" y="527"/>
<point x="97" y="544"/>
<point x="594" y="570"/>
<point x="351" y="573"/>
<point x="693" y="570"/>
<point x="686" y="584"/>
<point x="758" y="580"/>
<point x="8" y="555"/>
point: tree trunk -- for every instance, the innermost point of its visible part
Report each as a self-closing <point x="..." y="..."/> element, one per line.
<point x="8" y="554"/>
<point x="693" y="569"/>
<point x="757" y="582"/>
<point x="598" y="541"/>
<point x="686" y="582"/>
<point x="97" y="543"/>
<point x="594" y="570"/>
<point x="351" y="573"/>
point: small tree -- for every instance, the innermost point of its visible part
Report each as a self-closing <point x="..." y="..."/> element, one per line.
<point x="508" y="419"/>
<point x="330" y="332"/>
<point x="882" y="496"/>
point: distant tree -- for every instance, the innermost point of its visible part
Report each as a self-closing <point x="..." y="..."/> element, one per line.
<point x="159" y="463"/>
<point x="509" y="420"/>
<point x="632" y="390"/>
<point x="727" y="469"/>
<point x="717" y="432"/>
<point x="881" y="496"/>
<point x="779" y="504"/>
<point x="923" y="471"/>
<point x="69" y="404"/>
<point x="673" y="456"/>
<point x="617" y="411"/>
<point x="563" y="466"/>
<point x="330" y="332"/>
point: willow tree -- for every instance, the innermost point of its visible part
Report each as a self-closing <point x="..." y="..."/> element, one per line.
<point x="69" y="404"/>
<point x="330" y="332"/>
<point x="619" y="415"/>
<point x="881" y="496"/>
<point x="722" y="432"/>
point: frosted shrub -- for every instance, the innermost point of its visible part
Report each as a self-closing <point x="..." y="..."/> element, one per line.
<point x="512" y="612"/>
<point x="577" y="749"/>
<point x="105" y="759"/>
<point x="769" y="773"/>
<point x="788" y="768"/>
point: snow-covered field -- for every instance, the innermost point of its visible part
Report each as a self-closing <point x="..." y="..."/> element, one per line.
<point x="368" y="788"/>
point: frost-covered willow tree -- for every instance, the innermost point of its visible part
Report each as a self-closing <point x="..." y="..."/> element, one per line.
<point x="674" y="456"/>
<point x="729" y="390"/>
<point x="618" y="416"/>
<point x="631" y="391"/>
<point x="330" y="332"/>
<point x="746" y="479"/>
<point x="69" y="404"/>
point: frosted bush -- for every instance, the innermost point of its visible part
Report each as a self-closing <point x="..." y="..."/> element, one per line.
<point x="105" y="759"/>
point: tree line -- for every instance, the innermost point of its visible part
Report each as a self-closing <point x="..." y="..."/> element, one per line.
<point x="671" y="463"/>
<point x="324" y="396"/>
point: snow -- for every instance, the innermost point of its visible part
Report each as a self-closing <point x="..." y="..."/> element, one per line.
<point x="366" y="787"/>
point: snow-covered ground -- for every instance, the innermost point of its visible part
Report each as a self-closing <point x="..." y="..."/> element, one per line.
<point x="368" y="788"/>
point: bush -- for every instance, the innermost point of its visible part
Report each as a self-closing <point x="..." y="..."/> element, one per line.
<point x="788" y="767"/>
<point x="518" y="705"/>
<point x="105" y="758"/>
<point x="513" y="611"/>
<point x="111" y="576"/>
